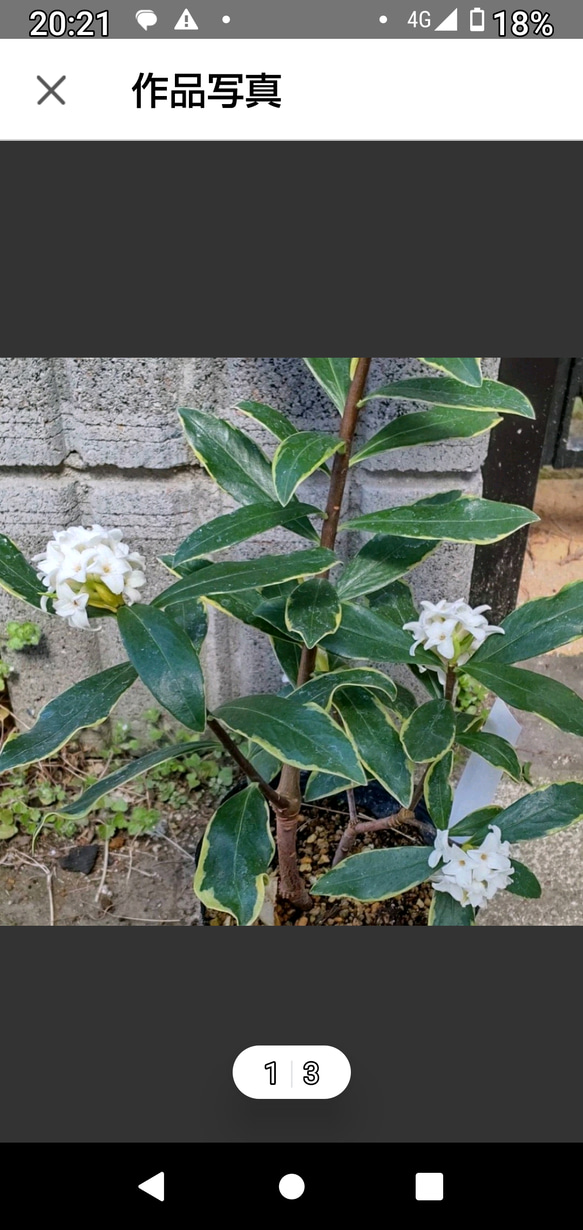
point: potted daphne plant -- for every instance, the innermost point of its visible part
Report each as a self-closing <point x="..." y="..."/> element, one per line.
<point x="336" y="629"/>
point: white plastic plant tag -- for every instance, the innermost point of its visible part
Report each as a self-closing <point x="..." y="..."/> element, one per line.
<point x="479" y="781"/>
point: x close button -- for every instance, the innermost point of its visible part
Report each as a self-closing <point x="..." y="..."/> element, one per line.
<point x="51" y="90"/>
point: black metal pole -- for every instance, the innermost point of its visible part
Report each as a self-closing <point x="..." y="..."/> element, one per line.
<point x="510" y="474"/>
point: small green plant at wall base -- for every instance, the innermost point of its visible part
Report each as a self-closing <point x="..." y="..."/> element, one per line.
<point x="336" y="626"/>
<point x="28" y="799"/>
<point x="17" y="636"/>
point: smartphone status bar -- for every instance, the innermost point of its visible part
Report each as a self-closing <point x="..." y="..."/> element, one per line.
<point x="309" y="19"/>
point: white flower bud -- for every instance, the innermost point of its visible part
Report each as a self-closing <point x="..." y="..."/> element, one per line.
<point x="88" y="567"/>
<point x="471" y="877"/>
<point x="453" y="629"/>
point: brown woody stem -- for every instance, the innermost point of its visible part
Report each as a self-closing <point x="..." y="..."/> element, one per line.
<point x="290" y="777"/>
<point x="348" y="839"/>
<point x="389" y="822"/>
<point x="272" y="796"/>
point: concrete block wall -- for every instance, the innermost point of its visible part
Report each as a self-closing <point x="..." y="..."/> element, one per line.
<point x="98" y="439"/>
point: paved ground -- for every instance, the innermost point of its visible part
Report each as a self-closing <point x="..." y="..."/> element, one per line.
<point x="554" y="558"/>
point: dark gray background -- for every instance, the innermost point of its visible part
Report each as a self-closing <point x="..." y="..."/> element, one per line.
<point x="113" y="1035"/>
<point x="291" y="18"/>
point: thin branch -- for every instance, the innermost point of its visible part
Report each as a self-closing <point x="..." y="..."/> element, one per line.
<point x="104" y="872"/>
<point x="51" y="901"/>
<point x="348" y="839"/>
<point x="336" y="490"/>
<point x="158" y="921"/>
<point x="177" y="847"/>
<point x="277" y="801"/>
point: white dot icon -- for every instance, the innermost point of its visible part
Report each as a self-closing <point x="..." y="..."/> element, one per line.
<point x="226" y="20"/>
<point x="383" y="20"/>
<point x="292" y="1186"/>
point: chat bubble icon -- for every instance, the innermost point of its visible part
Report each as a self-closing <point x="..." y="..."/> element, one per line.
<point x="146" y="18"/>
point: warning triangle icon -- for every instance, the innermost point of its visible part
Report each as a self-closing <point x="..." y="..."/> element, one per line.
<point x="186" y="22"/>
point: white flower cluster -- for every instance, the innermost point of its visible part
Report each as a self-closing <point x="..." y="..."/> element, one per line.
<point x="88" y="566"/>
<point x="454" y="629"/>
<point x="471" y="876"/>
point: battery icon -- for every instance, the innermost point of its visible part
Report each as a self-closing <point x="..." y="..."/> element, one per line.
<point x="477" y="21"/>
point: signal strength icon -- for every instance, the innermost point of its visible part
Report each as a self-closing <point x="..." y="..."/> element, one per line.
<point x="449" y="23"/>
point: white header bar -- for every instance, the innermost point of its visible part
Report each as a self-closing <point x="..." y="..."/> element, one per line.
<point x="328" y="90"/>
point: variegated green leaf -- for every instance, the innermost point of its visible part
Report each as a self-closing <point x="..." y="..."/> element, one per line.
<point x="445" y="911"/>
<point x="113" y="781"/>
<point x="536" y="627"/>
<point x="243" y="606"/>
<point x="469" y="519"/>
<point x="395" y="602"/>
<point x="405" y="703"/>
<point x="265" y="764"/>
<point x="277" y="423"/>
<point x="376" y="874"/>
<point x="237" y="526"/>
<point x="476" y="826"/>
<point x="524" y="882"/>
<point x="334" y="377"/>
<point x="430" y="731"/>
<point x="438" y="790"/>
<point x="17" y="576"/>
<point x="188" y="568"/>
<point x="300" y="735"/>
<point x="288" y="654"/>
<point x="381" y="560"/>
<point x="166" y="661"/>
<point x="369" y="634"/>
<point x="494" y="749"/>
<point x="234" y="576"/>
<point x="313" y="610"/>
<point x="85" y="704"/>
<point x="231" y="457"/>
<point x="321" y="689"/>
<point x="193" y="618"/>
<point x="542" y="812"/>
<point x="235" y="856"/>
<point x="443" y="391"/>
<point x="272" y="613"/>
<point x="299" y="456"/>
<point x="234" y="461"/>
<point x="428" y="680"/>
<point x="323" y="786"/>
<point x="465" y="723"/>
<point x="532" y="692"/>
<point x="466" y="370"/>
<point x="427" y="427"/>
<point x="377" y="741"/>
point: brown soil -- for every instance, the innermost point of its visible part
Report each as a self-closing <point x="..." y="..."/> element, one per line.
<point x="148" y="880"/>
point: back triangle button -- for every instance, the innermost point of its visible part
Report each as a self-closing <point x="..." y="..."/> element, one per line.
<point x="186" y="21"/>
<point x="154" y="1186"/>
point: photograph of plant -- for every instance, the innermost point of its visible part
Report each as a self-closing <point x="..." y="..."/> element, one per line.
<point x="383" y="696"/>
